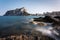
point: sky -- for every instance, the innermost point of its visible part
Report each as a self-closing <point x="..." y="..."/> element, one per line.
<point x="32" y="6"/>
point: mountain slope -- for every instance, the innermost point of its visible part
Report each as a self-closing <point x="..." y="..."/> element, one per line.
<point x="17" y="12"/>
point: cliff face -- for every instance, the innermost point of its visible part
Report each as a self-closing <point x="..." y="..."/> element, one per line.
<point x="17" y="12"/>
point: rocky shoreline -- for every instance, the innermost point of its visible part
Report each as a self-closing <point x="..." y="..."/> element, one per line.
<point x="49" y="19"/>
<point x="25" y="36"/>
<point x="37" y="33"/>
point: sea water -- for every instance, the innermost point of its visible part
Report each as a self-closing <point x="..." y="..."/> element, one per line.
<point x="11" y="20"/>
<point x="18" y="22"/>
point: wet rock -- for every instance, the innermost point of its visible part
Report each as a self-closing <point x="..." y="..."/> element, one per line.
<point x="55" y="20"/>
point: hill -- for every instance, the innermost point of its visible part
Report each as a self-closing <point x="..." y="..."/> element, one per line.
<point x="17" y="12"/>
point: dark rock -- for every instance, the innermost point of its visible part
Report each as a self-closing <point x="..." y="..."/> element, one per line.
<point x="55" y="20"/>
<point x="57" y="17"/>
<point x="46" y="38"/>
<point x="45" y="19"/>
<point x="17" y="12"/>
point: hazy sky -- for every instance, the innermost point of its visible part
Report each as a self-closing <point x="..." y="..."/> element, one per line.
<point x="32" y="6"/>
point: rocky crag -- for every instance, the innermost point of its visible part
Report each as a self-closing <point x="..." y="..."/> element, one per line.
<point x="17" y="12"/>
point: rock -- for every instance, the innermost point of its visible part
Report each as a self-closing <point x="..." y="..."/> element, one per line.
<point x="45" y="19"/>
<point x="17" y="12"/>
<point x="39" y="23"/>
<point x="55" y="20"/>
